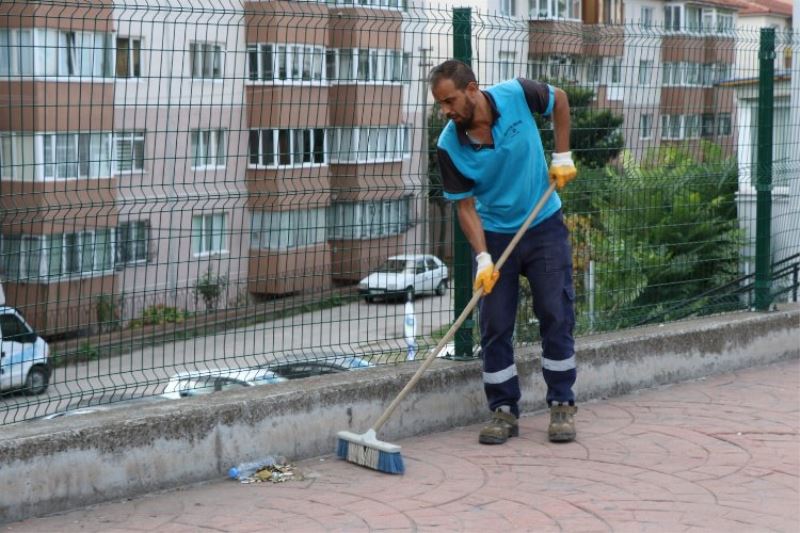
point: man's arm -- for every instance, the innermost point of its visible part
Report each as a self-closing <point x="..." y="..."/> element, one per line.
<point x="561" y="121"/>
<point x="562" y="168"/>
<point x="471" y="224"/>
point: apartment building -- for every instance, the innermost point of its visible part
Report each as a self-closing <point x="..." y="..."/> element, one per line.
<point x="757" y="14"/>
<point x="694" y="53"/>
<point x="657" y="62"/>
<point x="269" y="145"/>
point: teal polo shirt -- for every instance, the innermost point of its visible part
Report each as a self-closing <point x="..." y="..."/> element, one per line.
<point x="506" y="178"/>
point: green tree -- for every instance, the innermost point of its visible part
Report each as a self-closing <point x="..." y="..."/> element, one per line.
<point x="676" y="213"/>
<point x="595" y="137"/>
<point x="595" y="141"/>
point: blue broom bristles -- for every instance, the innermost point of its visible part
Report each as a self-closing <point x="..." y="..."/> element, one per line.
<point x="341" y="449"/>
<point x="389" y="462"/>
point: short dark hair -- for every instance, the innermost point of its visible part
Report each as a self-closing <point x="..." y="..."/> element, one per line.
<point x="457" y="71"/>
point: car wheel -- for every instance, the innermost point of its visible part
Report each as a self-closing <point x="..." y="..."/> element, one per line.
<point x="36" y="382"/>
<point x="441" y="288"/>
<point x="409" y="293"/>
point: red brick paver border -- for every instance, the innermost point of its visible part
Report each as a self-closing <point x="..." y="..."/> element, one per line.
<point x="720" y="454"/>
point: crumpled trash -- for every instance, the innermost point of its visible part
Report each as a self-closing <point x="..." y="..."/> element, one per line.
<point x="276" y="473"/>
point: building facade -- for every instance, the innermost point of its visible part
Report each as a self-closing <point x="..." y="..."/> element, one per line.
<point x="270" y="147"/>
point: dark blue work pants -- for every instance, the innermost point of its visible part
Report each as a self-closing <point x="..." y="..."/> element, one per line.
<point x="544" y="257"/>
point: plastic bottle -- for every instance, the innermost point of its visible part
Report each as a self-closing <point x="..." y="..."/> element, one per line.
<point x="245" y="470"/>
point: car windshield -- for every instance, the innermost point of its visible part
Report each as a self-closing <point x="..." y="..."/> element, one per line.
<point x="393" y="266"/>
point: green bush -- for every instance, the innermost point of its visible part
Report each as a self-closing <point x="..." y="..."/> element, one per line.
<point x="108" y="308"/>
<point x="159" y="314"/>
<point x="671" y="219"/>
<point x="210" y="287"/>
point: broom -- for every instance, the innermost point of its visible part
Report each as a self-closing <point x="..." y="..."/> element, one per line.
<point x="365" y="449"/>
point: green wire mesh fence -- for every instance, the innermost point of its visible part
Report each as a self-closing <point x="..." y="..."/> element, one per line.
<point x="193" y="193"/>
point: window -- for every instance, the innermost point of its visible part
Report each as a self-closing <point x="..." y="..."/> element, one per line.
<point x="646" y="18"/>
<point x="616" y="71"/>
<point x="129" y="146"/>
<point x="594" y="70"/>
<point x="668" y="69"/>
<point x="279" y="230"/>
<point x="709" y="74"/>
<point x="206" y="60"/>
<point x="72" y="53"/>
<point x="16" y="52"/>
<point x="645" y="71"/>
<point x="782" y="144"/>
<point x="76" y="155"/>
<point x="364" y="145"/>
<point x="724" y="124"/>
<point x="269" y="148"/>
<point x="22" y="256"/>
<point x="694" y="19"/>
<point x="671" y="127"/>
<point x="508" y="7"/>
<point x="645" y="126"/>
<point x="380" y="4"/>
<point x="12" y="329"/>
<point x="69" y="254"/>
<point x="369" y="219"/>
<point x="129" y="57"/>
<point x="553" y="67"/>
<point x="698" y="19"/>
<point x="612" y="11"/>
<point x="672" y="18"/>
<point x="707" y="125"/>
<point x="692" y="124"/>
<point x="554" y="9"/>
<point x="368" y="65"/>
<point x="506" y="65"/>
<point x="208" y="234"/>
<point x="693" y="74"/>
<point x="270" y="62"/>
<point x="725" y="23"/>
<point x="208" y="149"/>
<point x="133" y="239"/>
<point x="723" y="72"/>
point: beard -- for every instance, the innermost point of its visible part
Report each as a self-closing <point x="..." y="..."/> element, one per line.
<point x="466" y="118"/>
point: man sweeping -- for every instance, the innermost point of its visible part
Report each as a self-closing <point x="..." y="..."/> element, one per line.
<point x="493" y="165"/>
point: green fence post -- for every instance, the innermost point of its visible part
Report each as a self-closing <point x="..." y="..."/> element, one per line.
<point x="462" y="253"/>
<point x="763" y="296"/>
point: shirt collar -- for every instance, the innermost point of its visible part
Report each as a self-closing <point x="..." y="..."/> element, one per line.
<point x="463" y="138"/>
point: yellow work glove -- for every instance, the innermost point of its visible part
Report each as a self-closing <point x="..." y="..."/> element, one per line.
<point x="486" y="276"/>
<point x="562" y="169"/>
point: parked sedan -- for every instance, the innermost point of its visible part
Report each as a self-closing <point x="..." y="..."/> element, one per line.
<point x="319" y="367"/>
<point x="198" y="382"/>
<point x="405" y="276"/>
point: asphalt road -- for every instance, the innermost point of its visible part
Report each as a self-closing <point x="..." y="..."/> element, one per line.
<point x="358" y="328"/>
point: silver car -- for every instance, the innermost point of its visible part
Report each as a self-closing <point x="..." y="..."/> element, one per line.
<point x="405" y="276"/>
<point x="198" y="382"/>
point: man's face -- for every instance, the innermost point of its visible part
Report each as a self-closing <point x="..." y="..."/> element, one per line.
<point x="457" y="104"/>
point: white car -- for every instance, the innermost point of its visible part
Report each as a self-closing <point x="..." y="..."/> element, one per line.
<point x="405" y="276"/>
<point x="24" y="355"/>
<point x="198" y="382"/>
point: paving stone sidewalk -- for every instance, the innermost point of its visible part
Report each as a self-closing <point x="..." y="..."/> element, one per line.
<point x="718" y="454"/>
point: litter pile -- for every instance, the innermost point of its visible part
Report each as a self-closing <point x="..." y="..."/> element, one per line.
<point x="275" y="473"/>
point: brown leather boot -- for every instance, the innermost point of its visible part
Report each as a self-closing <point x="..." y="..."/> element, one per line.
<point x="562" y="423"/>
<point x="502" y="426"/>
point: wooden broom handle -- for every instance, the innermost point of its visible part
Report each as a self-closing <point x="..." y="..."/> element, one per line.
<point x="476" y="295"/>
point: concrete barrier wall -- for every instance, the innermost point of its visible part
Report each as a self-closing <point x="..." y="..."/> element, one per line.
<point x="49" y="466"/>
